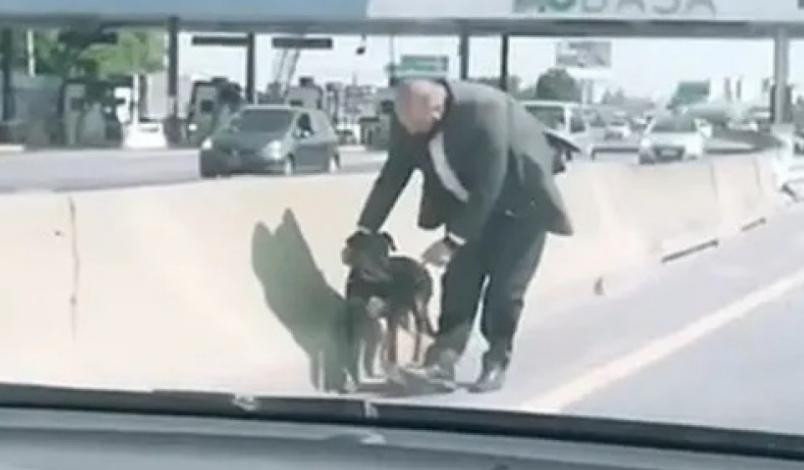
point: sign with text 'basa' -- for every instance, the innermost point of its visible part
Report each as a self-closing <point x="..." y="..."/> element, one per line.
<point x="335" y="11"/>
<point x="618" y="10"/>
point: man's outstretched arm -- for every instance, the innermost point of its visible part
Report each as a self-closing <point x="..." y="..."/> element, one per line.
<point x="393" y="178"/>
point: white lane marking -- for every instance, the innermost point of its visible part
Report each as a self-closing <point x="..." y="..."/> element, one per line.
<point x="559" y="398"/>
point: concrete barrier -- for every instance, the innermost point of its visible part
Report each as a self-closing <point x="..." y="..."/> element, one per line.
<point x="37" y="279"/>
<point x="740" y="194"/>
<point x="237" y="285"/>
<point x="221" y="285"/>
<point x="675" y="206"/>
<point x="607" y="241"/>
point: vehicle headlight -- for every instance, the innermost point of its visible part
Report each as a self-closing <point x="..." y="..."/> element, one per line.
<point x="206" y="144"/>
<point x="274" y="150"/>
<point x="645" y="144"/>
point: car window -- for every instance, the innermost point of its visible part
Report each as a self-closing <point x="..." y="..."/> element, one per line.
<point x="207" y="106"/>
<point x="322" y="124"/>
<point x="577" y="123"/>
<point x="551" y="116"/>
<point x="387" y="106"/>
<point x="264" y="120"/>
<point x="674" y="124"/>
<point x="304" y="124"/>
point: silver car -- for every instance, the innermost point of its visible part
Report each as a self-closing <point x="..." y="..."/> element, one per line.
<point x="271" y="139"/>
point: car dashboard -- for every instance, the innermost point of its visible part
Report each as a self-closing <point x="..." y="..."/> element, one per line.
<point x="34" y="439"/>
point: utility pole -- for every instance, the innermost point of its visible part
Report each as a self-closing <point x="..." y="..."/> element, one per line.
<point x="30" y="47"/>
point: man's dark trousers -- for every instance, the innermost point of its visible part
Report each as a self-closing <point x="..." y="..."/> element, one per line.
<point x="503" y="259"/>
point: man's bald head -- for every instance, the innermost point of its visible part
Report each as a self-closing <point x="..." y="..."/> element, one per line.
<point x="420" y="104"/>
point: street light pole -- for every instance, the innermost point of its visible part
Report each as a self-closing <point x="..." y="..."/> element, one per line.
<point x="31" y="52"/>
<point x="7" y="60"/>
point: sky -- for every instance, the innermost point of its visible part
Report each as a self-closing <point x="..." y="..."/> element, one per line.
<point x="642" y="67"/>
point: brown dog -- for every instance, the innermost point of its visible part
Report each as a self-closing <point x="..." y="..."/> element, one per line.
<point x="401" y="284"/>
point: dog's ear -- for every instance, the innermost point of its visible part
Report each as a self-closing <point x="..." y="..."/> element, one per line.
<point x="389" y="240"/>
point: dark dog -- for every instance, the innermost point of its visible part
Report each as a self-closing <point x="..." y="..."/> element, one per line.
<point x="403" y="287"/>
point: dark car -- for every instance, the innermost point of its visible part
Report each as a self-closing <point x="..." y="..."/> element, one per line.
<point x="271" y="139"/>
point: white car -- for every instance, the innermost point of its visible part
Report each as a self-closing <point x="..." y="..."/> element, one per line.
<point x="566" y="119"/>
<point x="672" y="138"/>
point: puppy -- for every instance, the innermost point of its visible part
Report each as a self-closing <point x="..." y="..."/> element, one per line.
<point x="400" y="285"/>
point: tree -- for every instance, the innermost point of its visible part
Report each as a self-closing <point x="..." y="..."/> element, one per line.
<point x="557" y="84"/>
<point x="135" y="51"/>
<point x="616" y="98"/>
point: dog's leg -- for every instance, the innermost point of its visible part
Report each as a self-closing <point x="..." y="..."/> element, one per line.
<point x="393" y="336"/>
<point x="356" y="317"/>
<point x="373" y="345"/>
<point x="422" y="314"/>
<point x="417" y="339"/>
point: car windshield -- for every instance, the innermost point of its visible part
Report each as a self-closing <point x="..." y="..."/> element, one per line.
<point x="263" y="120"/>
<point x="354" y="199"/>
<point x="664" y="125"/>
<point x="551" y="116"/>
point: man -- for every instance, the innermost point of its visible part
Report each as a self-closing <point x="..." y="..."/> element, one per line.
<point x="488" y="179"/>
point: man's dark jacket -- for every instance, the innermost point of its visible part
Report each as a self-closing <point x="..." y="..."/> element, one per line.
<point x="496" y="149"/>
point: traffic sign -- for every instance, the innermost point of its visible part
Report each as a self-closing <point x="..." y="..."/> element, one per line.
<point x="220" y="40"/>
<point x="295" y="42"/>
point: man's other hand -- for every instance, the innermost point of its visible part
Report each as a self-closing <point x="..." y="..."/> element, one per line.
<point x="438" y="254"/>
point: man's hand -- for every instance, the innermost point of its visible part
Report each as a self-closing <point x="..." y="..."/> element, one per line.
<point x="439" y="253"/>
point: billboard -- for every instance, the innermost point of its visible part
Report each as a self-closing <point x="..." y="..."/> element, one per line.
<point x="583" y="54"/>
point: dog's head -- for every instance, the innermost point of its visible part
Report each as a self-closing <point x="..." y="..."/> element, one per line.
<point x="369" y="254"/>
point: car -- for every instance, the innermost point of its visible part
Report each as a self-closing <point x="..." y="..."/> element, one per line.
<point x="346" y="137"/>
<point x="617" y="129"/>
<point x="798" y="141"/>
<point x="671" y="138"/>
<point x="271" y="139"/>
<point x="567" y="119"/>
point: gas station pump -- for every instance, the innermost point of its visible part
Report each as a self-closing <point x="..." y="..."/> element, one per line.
<point x="211" y="104"/>
<point x="88" y="111"/>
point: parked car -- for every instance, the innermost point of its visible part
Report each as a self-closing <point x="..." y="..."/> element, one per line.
<point x="671" y="138"/>
<point x="565" y="118"/>
<point x="346" y="137"/>
<point x="617" y="129"/>
<point x="271" y="139"/>
<point x="798" y="141"/>
<point x="705" y="127"/>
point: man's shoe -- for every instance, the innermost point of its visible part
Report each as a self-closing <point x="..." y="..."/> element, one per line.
<point x="492" y="378"/>
<point x="436" y="378"/>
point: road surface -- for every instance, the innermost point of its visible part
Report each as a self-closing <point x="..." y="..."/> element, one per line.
<point x="75" y="170"/>
<point x="712" y="339"/>
<point x="71" y="170"/>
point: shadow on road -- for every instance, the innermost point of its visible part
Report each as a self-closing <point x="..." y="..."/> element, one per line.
<point x="298" y="294"/>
